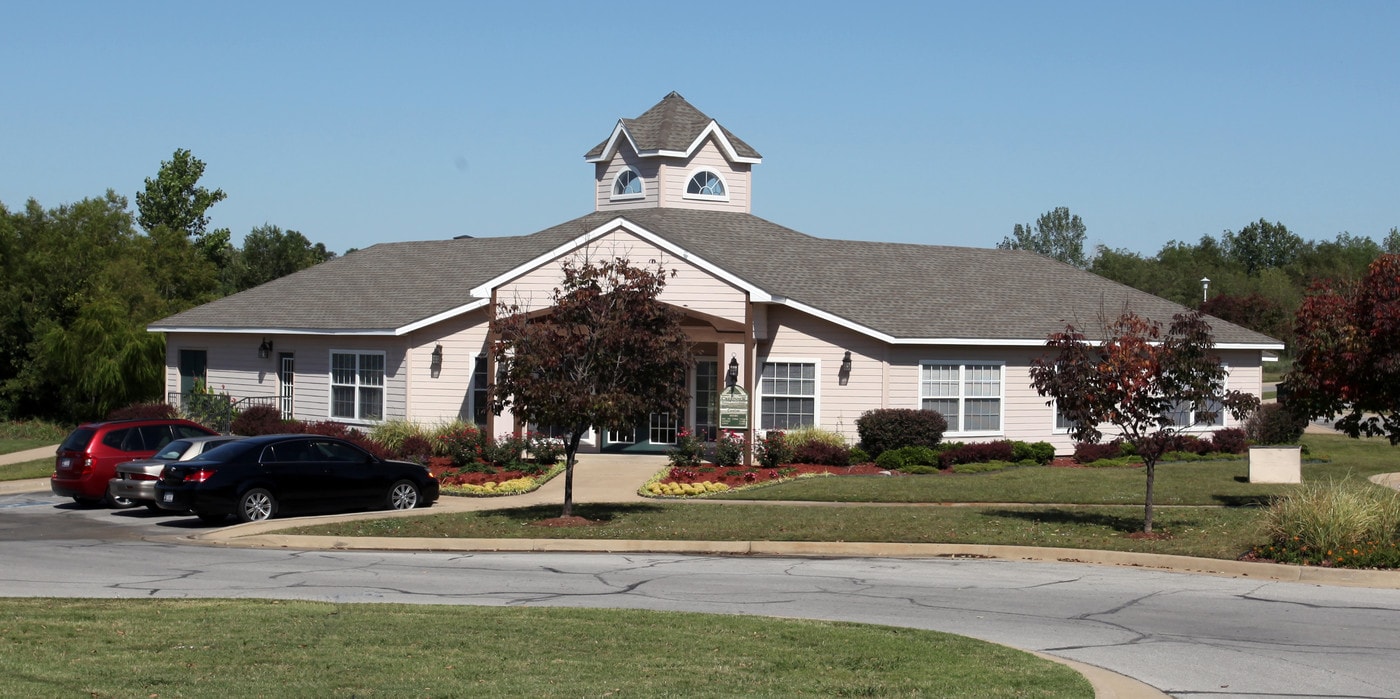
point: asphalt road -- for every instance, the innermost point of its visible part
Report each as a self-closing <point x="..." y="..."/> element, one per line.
<point x="1189" y="635"/>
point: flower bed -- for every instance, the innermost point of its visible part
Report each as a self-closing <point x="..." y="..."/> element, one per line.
<point x="675" y="481"/>
<point x="494" y="482"/>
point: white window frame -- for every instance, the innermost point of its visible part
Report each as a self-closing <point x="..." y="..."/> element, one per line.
<point x="956" y="430"/>
<point x="358" y="386"/>
<point x="641" y="192"/>
<point x="687" y="194"/>
<point x="816" y="390"/>
<point x="1224" y="417"/>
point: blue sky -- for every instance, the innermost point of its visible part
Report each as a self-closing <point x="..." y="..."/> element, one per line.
<point x="923" y="122"/>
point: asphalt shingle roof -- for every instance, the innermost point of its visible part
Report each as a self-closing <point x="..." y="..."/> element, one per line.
<point x="672" y="125"/>
<point x="902" y="290"/>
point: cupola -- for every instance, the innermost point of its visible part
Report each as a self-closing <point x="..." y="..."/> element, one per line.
<point x="673" y="156"/>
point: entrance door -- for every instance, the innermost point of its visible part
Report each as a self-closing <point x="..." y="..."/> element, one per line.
<point x="286" y="380"/>
<point x="657" y="434"/>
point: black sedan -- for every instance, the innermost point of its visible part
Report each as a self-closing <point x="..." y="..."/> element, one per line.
<point x="259" y="477"/>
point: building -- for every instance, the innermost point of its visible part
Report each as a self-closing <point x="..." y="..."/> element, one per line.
<point x="819" y="330"/>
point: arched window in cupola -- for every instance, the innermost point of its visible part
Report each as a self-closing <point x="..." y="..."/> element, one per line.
<point x="706" y="184"/>
<point x="628" y="185"/>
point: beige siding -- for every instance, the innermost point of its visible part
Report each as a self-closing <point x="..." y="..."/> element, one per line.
<point x="230" y="372"/>
<point x="691" y="287"/>
<point x="447" y="396"/>
<point x="796" y="336"/>
<point x="675" y="176"/>
<point x="606" y="174"/>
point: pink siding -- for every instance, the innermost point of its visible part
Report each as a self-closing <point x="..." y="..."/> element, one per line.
<point x="691" y="288"/>
<point x="796" y="336"/>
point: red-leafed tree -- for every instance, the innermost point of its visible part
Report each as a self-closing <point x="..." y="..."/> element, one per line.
<point x="1347" y="353"/>
<point x="1139" y="381"/>
<point x="605" y="355"/>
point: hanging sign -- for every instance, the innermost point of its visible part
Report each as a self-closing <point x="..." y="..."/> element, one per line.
<point x="734" y="409"/>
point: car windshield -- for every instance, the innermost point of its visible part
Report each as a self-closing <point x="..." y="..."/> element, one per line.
<point x="173" y="451"/>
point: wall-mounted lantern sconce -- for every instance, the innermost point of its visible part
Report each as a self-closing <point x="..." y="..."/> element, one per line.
<point x="731" y="377"/>
<point x="436" y="365"/>
<point x="265" y="349"/>
<point x="844" y="375"/>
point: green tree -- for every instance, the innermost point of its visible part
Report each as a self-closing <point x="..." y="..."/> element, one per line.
<point x="1262" y="245"/>
<point x="1392" y="241"/>
<point x="270" y="253"/>
<point x="1137" y="381"/>
<point x="175" y="200"/>
<point x="606" y="354"/>
<point x="1058" y="234"/>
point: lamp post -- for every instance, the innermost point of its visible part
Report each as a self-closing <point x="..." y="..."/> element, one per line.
<point x="1205" y="289"/>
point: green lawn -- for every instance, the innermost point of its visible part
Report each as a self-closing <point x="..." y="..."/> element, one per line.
<point x="1205" y="509"/>
<point x="244" y="648"/>
<point x="10" y="445"/>
<point x="19" y="436"/>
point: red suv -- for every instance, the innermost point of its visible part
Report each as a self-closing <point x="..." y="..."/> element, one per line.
<point x="88" y="458"/>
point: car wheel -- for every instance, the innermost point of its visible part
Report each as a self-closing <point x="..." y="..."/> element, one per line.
<point x="211" y="517"/>
<point x="117" y="502"/>
<point x="403" y="495"/>
<point x="256" y="505"/>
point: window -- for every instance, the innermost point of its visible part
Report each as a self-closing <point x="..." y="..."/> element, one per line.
<point x="357" y="385"/>
<point x="968" y="395"/>
<point x="789" y="395"/>
<point x="663" y="428"/>
<point x="479" y="404"/>
<point x="1184" y="417"/>
<point x="628" y="185"/>
<point x="705" y="184"/>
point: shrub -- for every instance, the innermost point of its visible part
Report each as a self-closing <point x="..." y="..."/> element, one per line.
<point x="259" y="419"/>
<point x="772" y="450"/>
<point x="815" y="452"/>
<point x="729" y="448"/>
<point x="1273" y="423"/>
<point x="145" y="411"/>
<point x="1085" y="453"/>
<point x="1335" y="523"/>
<point x="214" y="410"/>
<point x="460" y="442"/>
<point x="892" y="428"/>
<point x="391" y="433"/>
<point x="416" y="448"/>
<point x="976" y="453"/>
<point x="858" y="456"/>
<point x="688" y="451"/>
<point x="802" y="436"/>
<point x="545" y="449"/>
<point x="1230" y="441"/>
<point x="983" y="467"/>
<point x="506" y="452"/>
<point x="904" y="457"/>
<point x="1039" y="452"/>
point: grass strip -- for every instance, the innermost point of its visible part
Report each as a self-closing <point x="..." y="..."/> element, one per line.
<point x="1223" y="533"/>
<point x="185" y="648"/>
<point x="12" y="445"/>
<point x="39" y="468"/>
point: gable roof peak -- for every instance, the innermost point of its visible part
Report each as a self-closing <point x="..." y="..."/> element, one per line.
<point x="672" y="127"/>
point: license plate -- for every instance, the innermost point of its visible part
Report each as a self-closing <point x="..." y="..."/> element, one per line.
<point x="65" y="464"/>
<point x="170" y="497"/>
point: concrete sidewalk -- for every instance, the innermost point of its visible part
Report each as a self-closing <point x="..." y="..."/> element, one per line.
<point x="20" y="457"/>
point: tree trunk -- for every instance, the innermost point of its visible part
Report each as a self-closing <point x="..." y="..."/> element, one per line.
<point x="570" y="452"/>
<point x="1147" y="508"/>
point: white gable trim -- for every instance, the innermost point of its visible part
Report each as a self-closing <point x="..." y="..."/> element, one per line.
<point x="756" y="293"/>
<point x="711" y="129"/>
